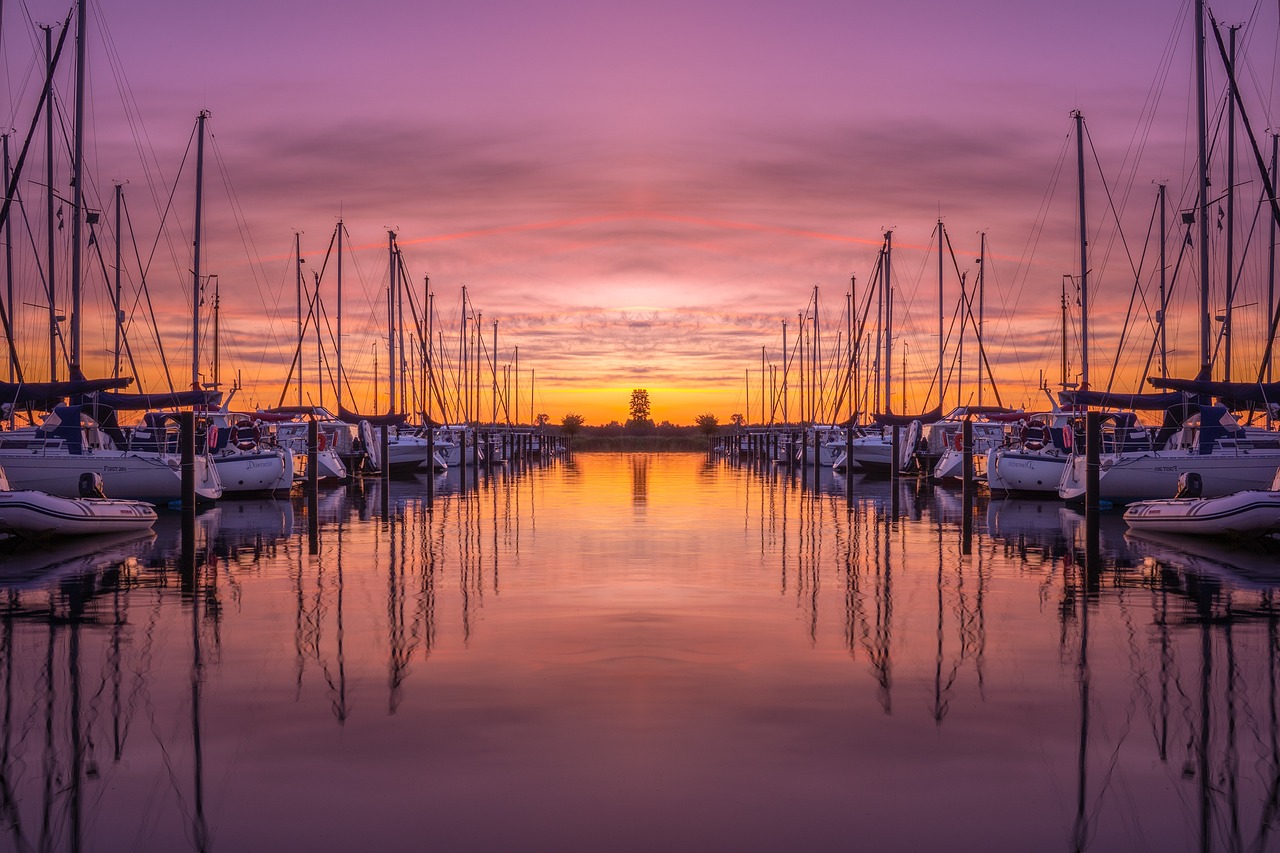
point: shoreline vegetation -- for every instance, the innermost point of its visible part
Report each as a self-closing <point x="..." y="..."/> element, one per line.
<point x="584" y="443"/>
<point x="637" y="438"/>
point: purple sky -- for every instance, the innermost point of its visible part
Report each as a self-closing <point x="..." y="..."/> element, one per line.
<point x="641" y="193"/>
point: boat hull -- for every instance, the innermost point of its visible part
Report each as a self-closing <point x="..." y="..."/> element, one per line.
<point x="125" y="474"/>
<point x="1247" y="513"/>
<point x="32" y="513"/>
<point x="1151" y="476"/>
<point x="1024" y="472"/>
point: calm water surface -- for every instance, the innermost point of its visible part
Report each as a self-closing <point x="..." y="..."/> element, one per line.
<point x="639" y="652"/>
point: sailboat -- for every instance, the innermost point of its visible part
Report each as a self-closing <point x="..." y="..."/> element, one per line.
<point x="1210" y="443"/>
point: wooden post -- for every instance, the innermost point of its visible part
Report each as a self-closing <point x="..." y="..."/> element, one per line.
<point x="848" y="467"/>
<point x="187" y="443"/>
<point x="313" y="450"/>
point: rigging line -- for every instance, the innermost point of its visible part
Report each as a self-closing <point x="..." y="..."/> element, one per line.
<point x="106" y="282"/>
<point x="1133" y="297"/>
<point x="1111" y="205"/>
<point x="45" y="93"/>
<point x="145" y="290"/>
<point x="968" y="314"/>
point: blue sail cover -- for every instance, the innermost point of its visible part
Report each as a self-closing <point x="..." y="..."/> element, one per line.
<point x="46" y="395"/>
<point x="390" y="419"/>
<point x="929" y="417"/>
<point x="1236" y="395"/>
<point x="171" y="400"/>
<point x="1120" y="400"/>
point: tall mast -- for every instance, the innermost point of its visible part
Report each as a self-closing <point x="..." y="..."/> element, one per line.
<point x="1231" y="210"/>
<point x="849" y="377"/>
<point x="315" y="313"/>
<point x="516" y="396"/>
<point x="77" y="191"/>
<point x="493" y="368"/>
<point x="464" y="384"/>
<point x="49" y="200"/>
<point x="763" y="416"/>
<point x="1271" y="259"/>
<point x="297" y="280"/>
<point x="887" y="290"/>
<point x="431" y="359"/>
<point x="785" y="364"/>
<point x="217" y="379"/>
<point x="119" y="324"/>
<point x="1164" y="298"/>
<point x="982" y="305"/>
<point x="341" y="229"/>
<point x="1202" y="160"/>
<point x="8" y="261"/>
<point x="195" y="268"/>
<point x="1084" y="256"/>
<point x="391" y="321"/>
<point x="804" y="412"/>
<point x="942" y="345"/>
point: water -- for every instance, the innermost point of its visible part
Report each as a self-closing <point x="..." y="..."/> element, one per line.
<point x="639" y="652"/>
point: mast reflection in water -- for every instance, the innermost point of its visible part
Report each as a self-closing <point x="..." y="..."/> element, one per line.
<point x="634" y="652"/>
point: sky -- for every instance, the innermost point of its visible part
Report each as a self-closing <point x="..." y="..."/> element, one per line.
<point x="640" y="194"/>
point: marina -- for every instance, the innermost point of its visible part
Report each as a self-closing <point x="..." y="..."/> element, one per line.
<point x="616" y="647"/>
<point x="639" y="427"/>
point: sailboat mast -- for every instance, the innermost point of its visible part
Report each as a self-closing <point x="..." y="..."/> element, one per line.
<point x="763" y="416"/>
<point x="1084" y="256"/>
<point x="1231" y="211"/>
<point x="77" y="190"/>
<point x="464" y="385"/>
<point x="49" y="200"/>
<point x="8" y="260"/>
<point x="1271" y="258"/>
<point x="493" y="369"/>
<point x="341" y="229"/>
<point x="119" y="324"/>
<point x="942" y="344"/>
<point x="1202" y="160"/>
<point x="887" y="290"/>
<point x="391" y="320"/>
<point x="785" y="364"/>
<point x="195" y="268"/>
<point x="982" y="304"/>
<point x="1164" y="299"/>
<point x="217" y="304"/>
<point x="297" y="280"/>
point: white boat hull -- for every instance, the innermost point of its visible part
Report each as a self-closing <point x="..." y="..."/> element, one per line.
<point x="1151" y="476"/>
<point x="125" y="474"/>
<point x="247" y="472"/>
<point x="1246" y="513"/>
<point x="33" y="513"/>
<point x="1025" y="472"/>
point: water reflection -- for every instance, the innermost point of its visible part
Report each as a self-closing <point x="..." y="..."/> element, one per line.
<point x="532" y="647"/>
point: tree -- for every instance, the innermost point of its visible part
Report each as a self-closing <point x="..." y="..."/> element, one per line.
<point x="707" y="424"/>
<point x="640" y="405"/>
<point x="570" y="424"/>
<point x="640" y="410"/>
<point x="738" y="420"/>
<point x="542" y="419"/>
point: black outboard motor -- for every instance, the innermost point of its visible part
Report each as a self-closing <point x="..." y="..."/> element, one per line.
<point x="91" y="485"/>
<point x="1190" y="485"/>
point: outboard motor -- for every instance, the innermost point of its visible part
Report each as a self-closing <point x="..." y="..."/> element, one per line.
<point x="1190" y="485"/>
<point x="91" y="485"/>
